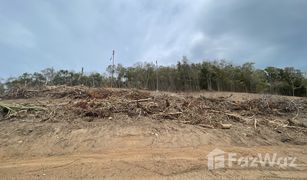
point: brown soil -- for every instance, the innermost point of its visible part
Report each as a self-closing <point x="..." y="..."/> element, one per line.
<point x="81" y="133"/>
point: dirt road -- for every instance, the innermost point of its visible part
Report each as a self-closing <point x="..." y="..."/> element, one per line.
<point x="152" y="163"/>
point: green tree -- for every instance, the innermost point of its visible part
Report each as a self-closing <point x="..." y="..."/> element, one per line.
<point x="294" y="78"/>
<point x="206" y="76"/>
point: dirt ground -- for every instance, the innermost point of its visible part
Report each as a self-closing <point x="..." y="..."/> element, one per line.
<point x="81" y="133"/>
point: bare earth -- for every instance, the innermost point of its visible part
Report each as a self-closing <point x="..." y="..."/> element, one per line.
<point x="74" y="146"/>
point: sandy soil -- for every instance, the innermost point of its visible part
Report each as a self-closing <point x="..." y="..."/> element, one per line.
<point x="149" y="163"/>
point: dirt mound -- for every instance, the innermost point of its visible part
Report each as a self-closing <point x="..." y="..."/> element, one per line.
<point x="72" y="103"/>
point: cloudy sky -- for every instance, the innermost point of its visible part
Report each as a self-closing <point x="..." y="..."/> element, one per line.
<point x="70" y="34"/>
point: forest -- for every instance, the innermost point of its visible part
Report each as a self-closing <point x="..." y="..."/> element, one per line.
<point x="184" y="76"/>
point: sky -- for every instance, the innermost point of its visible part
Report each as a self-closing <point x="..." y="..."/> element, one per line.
<point x="71" y="34"/>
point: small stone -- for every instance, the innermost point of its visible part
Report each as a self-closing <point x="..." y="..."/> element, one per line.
<point x="110" y="118"/>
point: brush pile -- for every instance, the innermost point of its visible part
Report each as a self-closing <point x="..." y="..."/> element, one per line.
<point x="76" y="102"/>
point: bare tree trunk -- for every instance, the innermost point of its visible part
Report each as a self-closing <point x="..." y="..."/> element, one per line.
<point x="292" y="85"/>
<point x="209" y="85"/>
<point x="218" y="86"/>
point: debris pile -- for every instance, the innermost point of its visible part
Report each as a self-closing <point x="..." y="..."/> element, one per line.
<point x="20" y="93"/>
<point x="47" y="91"/>
<point x="202" y="111"/>
<point x="13" y="110"/>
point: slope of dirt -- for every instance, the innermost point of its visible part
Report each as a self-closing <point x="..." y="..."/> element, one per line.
<point x="81" y="133"/>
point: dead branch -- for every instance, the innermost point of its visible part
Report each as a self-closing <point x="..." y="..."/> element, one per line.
<point x="140" y="100"/>
<point x="277" y="124"/>
<point x="10" y="108"/>
<point x="293" y="122"/>
<point x="206" y="126"/>
<point x="185" y="122"/>
<point x="215" y="111"/>
<point x="174" y="113"/>
<point x="222" y="97"/>
<point x="255" y="124"/>
<point x="238" y="117"/>
<point x="170" y="115"/>
<point x="297" y="111"/>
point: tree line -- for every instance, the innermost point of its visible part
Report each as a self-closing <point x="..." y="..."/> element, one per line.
<point x="184" y="76"/>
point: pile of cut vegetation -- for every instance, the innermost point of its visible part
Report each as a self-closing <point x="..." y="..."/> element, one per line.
<point x="99" y="103"/>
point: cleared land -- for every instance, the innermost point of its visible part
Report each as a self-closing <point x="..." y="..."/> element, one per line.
<point x="81" y="133"/>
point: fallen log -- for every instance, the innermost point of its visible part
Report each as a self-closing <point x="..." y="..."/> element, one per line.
<point x="226" y="126"/>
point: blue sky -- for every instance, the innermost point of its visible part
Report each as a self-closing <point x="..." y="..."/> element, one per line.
<point x="71" y="34"/>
